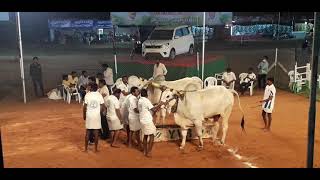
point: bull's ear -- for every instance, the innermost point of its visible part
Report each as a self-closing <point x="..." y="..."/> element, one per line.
<point x="171" y="90"/>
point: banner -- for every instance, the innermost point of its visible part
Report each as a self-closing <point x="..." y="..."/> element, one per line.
<point x="82" y="23"/>
<point x="103" y="24"/>
<point x="79" y="24"/>
<point x="4" y="16"/>
<point x="170" y="18"/>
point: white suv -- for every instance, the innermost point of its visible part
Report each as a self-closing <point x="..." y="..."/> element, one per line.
<point x="169" y="42"/>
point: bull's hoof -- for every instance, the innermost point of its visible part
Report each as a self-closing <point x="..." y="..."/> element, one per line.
<point x="181" y="148"/>
<point x="222" y="143"/>
<point x="200" y="148"/>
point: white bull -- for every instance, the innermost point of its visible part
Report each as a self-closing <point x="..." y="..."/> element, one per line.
<point x="193" y="107"/>
<point x="132" y="81"/>
<point x="154" y="93"/>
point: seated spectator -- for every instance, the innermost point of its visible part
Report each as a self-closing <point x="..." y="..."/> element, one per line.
<point x="83" y="82"/>
<point x="83" y="79"/>
<point x="65" y="81"/>
<point x="99" y="77"/>
<point x="228" y="78"/>
<point x="251" y="77"/>
<point x="73" y="79"/>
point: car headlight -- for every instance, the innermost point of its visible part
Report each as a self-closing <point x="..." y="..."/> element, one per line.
<point x="166" y="45"/>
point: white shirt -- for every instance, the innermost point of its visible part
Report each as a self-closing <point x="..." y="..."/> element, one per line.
<point x="132" y="104"/>
<point x="93" y="100"/>
<point x="83" y="81"/>
<point x="144" y="106"/>
<point x="125" y="88"/>
<point x="249" y="77"/>
<point x="229" y="76"/>
<point x="102" y="91"/>
<point x="112" y="105"/>
<point x="108" y="76"/>
<point x="269" y="91"/>
<point x="160" y="70"/>
<point x="263" y="67"/>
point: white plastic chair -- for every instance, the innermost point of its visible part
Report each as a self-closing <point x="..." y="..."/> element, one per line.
<point x="71" y="92"/>
<point x="210" y="81"/>
<point x="242" y="76"/>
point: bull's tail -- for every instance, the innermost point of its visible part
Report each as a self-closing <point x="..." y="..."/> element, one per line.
<point x="242" y="120"/>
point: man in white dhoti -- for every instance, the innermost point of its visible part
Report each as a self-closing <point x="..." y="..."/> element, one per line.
<point x="146" y="111"/>
<point x="124" y="87"/>
<point x="114" y="118"/>
<point x="134" y="122"/>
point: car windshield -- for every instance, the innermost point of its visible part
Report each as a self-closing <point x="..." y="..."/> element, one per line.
<point x="161" y="35"/>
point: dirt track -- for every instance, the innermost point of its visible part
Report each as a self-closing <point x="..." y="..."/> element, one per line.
<point x="50" y="134"/>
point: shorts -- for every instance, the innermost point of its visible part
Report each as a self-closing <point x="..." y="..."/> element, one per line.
<point x="267" y="107"/>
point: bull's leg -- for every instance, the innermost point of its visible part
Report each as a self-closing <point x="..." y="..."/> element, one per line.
<point x="198" y="128"/>
<point x="225" y="122"/>
<point x="215" y="130"/>
<point x="158" y="117"/>
<point x="184" y="133"/>
<point x="163" y="115"/>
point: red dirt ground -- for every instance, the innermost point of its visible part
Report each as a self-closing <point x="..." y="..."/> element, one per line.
<point x="46" y="133"/>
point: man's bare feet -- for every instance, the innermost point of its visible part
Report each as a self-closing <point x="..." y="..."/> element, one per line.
<point x="115" y="146"/>
<point x="149" y="155"/>
<point x="267" y="130"/>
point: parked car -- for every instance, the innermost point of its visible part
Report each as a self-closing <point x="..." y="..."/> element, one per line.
<point x="167" y="42"/>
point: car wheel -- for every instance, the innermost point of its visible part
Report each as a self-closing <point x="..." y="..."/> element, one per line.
<point x="172" y="54"/>
<point x="191" y="50"/>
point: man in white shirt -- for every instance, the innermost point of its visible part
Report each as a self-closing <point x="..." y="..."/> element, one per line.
<point x="251" y="77"/>
<point x="269" y="98"/>
<point x="93" y="106"/>
<point x="124" y="87"/>
<point x="103" y="90"/>
<point x="228" y="79"/>
<point x="73" y="79"/>
<point x="83" y="82"/>
<point x="108" y="76"/>
<point x="124" y="115"/>
<point x="133" y="117"/>
<point x="114" y="118"/>
<point x="146" y="111"/>
<point x="263" y="68"/>
<point x="159" y="71"/>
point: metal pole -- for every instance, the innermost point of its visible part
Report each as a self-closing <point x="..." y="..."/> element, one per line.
<point x="278" y="27"/>
<point x="313" y="94"/>
<point x="1" y="153"/>
<point x="115" y="51"/>
<point x="275" y="64"/>
<point x="21" y="58"/>
<point x="198" y="69"/>
<point x="203" y="43"/>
